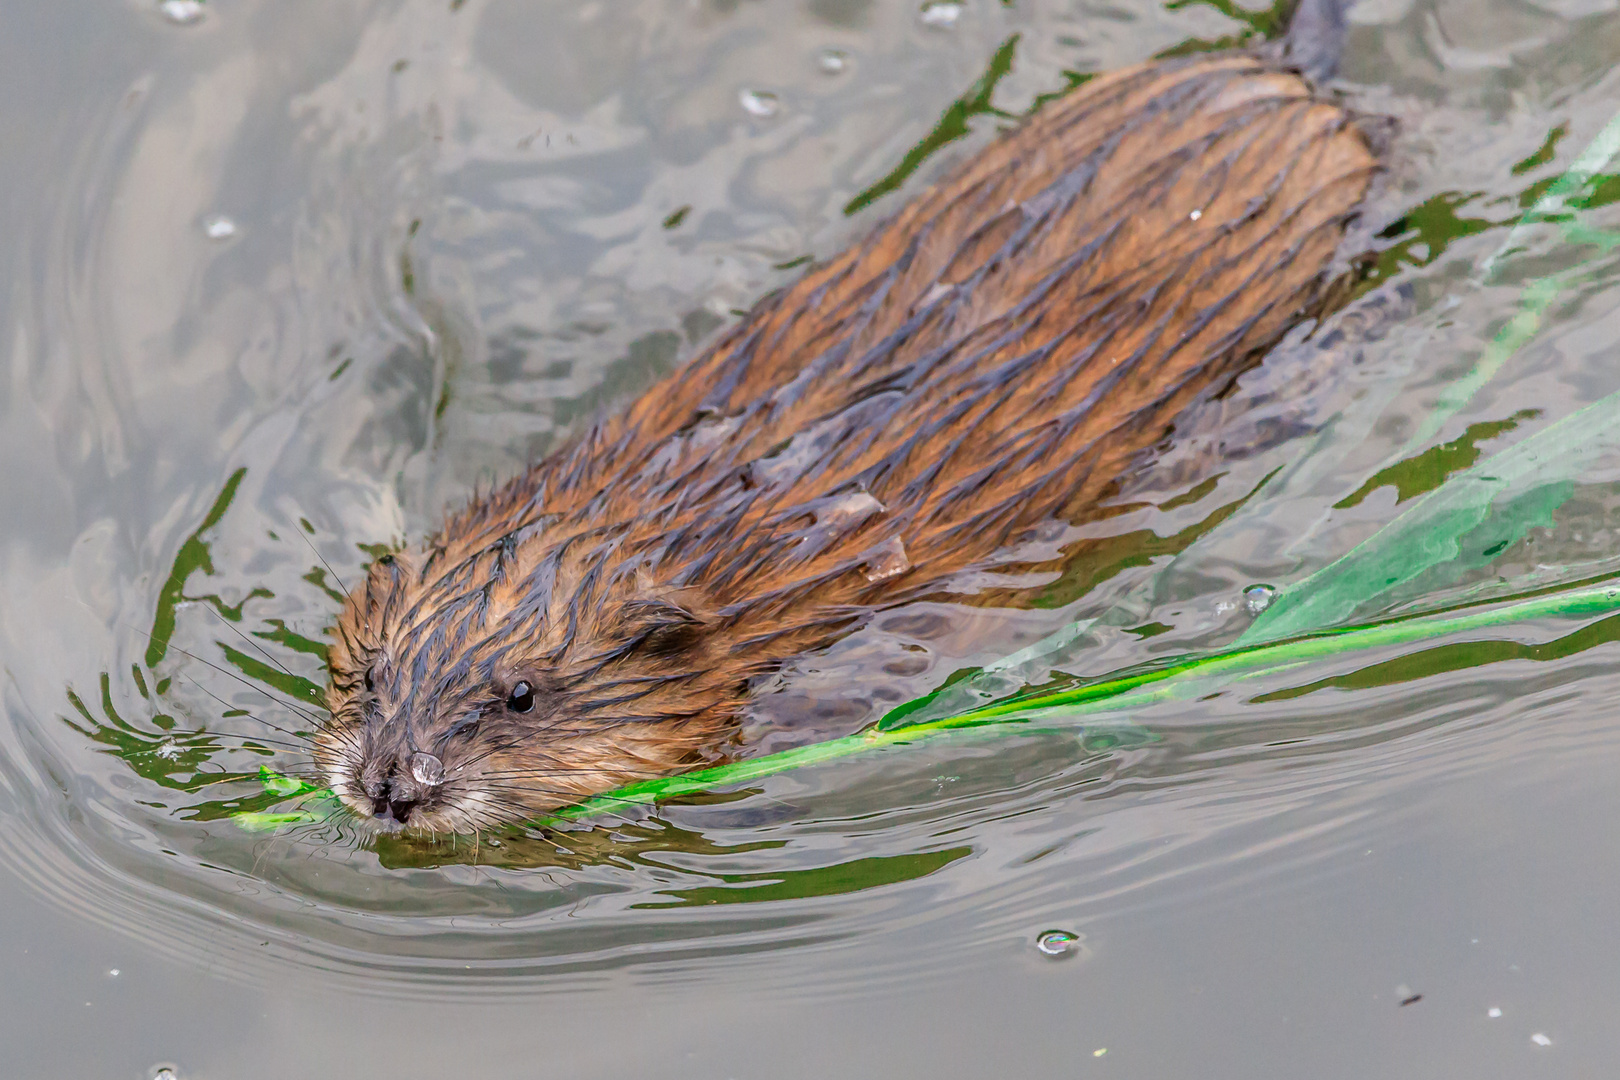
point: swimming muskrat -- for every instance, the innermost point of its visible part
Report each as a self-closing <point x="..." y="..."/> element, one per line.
<point x="993" y="358"/>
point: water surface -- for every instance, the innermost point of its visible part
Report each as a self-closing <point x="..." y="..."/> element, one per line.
<point x="286" y="280"/>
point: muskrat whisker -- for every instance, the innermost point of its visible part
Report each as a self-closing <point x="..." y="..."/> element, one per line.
<point x="278" y="744"/>
<point x="524" y="810"/>
<point x="250" y="641"/>
<point x="490" y="822"/>
<point x="321" y="557"/>
<point x="506" y="788"/>
<point x="520" y="740"/>
<point x="311" y="717"/>
<point x="545" y="770"/>
<point x="499" y="747"/>
<point x="559" y="768"/>
<point x="250" y="715"/>
<point x="344" y="734"/>
<point x="303" y="774"/>
<point x="568" y="796"/>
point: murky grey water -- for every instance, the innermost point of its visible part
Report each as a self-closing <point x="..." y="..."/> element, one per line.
<point x="375" y="253"/>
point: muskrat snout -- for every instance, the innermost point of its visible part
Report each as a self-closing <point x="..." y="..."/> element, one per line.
<point x="377" y="771"/>
<point x="396" y="795"/>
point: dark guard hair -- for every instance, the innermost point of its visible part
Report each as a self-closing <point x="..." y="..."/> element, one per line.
<point x="993" y="358"/>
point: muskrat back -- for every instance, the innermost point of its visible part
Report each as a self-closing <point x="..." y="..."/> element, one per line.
<point x="993" y="358"/>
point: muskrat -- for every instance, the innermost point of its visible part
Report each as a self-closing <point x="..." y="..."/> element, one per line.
<point x="993" y="358"/>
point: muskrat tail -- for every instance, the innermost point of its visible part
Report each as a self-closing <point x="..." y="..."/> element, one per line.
<point x="1315" y="39"/>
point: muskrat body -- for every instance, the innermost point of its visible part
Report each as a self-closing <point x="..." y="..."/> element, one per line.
<point x="990" y="360"/>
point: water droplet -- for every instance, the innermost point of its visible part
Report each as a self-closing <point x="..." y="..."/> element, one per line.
<point x="219" y="227"/>
<point x="1494" y="1013"/>
<point x="941" y="14"/>
<point x="1195" y="215"/>
<point x="887" y="560"/>
<point x="850" y="508"/>
<point x="1057" y="943"/>
<point x="760" y="103"/>
<point x="1258" y="597"/>
<point x="1540" y="1040"/>
<point x="426" y="768"/>
<point x="182" y="12"/>
<point x="832" y="61"/>
<point x="711" y="431"/>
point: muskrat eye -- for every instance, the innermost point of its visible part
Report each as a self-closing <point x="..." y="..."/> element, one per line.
<point x="521" y="699"/>
<point x="371" y="684"/>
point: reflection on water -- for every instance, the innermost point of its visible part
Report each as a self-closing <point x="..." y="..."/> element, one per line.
<point x="459" y="230"/>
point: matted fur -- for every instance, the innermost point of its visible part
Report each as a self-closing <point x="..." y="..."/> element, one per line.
<point x="991" y="359"/>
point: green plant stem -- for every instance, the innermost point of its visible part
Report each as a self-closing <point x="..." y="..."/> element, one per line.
<point x="1126" y="691"/>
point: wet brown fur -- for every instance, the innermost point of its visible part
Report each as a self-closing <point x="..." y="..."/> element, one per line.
<point x="991" y="359"/>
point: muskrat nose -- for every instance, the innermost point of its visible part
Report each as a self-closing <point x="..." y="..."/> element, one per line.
<point x="391" y="802"/>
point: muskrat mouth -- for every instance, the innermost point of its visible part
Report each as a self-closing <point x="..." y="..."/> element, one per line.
<point x="408" y="816"/>
<point x="390" y="811"/>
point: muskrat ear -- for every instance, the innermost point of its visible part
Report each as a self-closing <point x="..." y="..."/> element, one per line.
<point x="662" y="627"/>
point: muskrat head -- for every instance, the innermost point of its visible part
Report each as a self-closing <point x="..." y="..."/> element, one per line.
<point x="491" y="688"/>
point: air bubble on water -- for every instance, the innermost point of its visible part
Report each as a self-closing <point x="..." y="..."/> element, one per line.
<point x="832" y="61"/>
<point x="168" y="750"/>
<point x="887" y="560"/>
<point x="219" y="227"/>
<point x="112" y="973"/>
<point x="1057" y="943"/>
<point x="1494" y="1013"/>
<point x="426" y="768"/>
<point x="1258" y="597"/>
<point x="760" y="103"/>
<point x="1540" y="1040"/>
<point x="182" y="12"/>
<point x="941" y="14"/>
